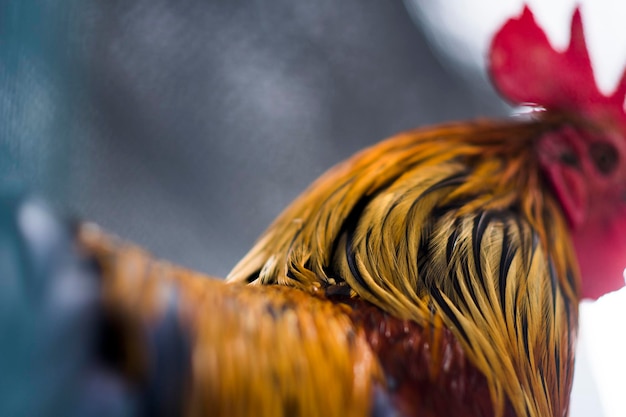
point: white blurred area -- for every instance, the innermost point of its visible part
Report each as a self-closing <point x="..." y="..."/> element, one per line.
<point x="460" y="31"/>
<point x="601" y="363"/>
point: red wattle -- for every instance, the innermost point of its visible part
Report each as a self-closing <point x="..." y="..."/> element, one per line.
<point x="601" y="253"/>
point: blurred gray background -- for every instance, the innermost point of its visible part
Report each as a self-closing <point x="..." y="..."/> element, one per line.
<point x="188" y="126"/>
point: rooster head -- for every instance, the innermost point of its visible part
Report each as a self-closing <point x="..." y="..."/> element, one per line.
<point x="584" y="158"/>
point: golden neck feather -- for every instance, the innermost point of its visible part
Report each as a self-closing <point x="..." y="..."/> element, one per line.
<point x="451" y="223"/>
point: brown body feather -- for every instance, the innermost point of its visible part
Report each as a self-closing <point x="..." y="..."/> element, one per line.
<point x="440" y="249"/>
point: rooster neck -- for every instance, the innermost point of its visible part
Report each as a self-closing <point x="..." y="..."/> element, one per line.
<point x="452" y="222"/>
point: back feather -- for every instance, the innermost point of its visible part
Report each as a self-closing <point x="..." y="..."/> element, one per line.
<point x="266" y="351"/>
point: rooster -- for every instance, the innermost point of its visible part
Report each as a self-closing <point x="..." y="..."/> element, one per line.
<point x="437" y="273"/>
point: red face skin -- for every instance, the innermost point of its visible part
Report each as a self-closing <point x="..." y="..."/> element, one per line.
<point x="587" y="171"/>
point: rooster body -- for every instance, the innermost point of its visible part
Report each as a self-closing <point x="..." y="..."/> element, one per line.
<point x="411" y="275"/>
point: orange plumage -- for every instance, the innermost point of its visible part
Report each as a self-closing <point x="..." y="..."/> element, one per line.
<point x="383" y="247"/>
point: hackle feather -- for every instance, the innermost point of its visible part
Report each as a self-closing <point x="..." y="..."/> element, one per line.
<point x="449" y="225"/>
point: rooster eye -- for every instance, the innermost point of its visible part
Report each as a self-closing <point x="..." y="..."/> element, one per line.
<point x="569" y="158"/>
<point x="604" y="156"/>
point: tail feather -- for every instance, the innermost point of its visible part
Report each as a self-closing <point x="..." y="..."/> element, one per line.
<point x="254" y="350"/>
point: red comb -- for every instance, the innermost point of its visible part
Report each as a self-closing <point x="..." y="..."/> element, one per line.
<point x="526" y="69"/>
